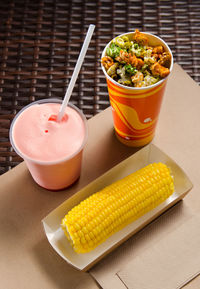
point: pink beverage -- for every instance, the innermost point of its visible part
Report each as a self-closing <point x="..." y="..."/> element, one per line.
<point x="52" y="150"/>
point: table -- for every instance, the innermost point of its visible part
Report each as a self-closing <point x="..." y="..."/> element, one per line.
<point x="40" y="42"/>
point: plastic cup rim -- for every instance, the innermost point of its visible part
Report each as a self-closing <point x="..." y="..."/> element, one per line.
<point x="137" y="88"/>
<point x="48" y="100"/>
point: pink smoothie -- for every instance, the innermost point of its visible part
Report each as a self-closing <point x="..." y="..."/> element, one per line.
<point x="51" y="149"/>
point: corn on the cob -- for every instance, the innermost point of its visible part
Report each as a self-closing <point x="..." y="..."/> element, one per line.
<point x="109" y="210"/>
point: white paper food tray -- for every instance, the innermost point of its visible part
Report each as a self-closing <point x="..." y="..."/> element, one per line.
<point x="143" y="157"/>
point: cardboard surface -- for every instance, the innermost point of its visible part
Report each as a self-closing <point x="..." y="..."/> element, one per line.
<point x="140" y="159"/>
<point x="178" y="135"/>
<point x="176" y="256"/>
<point x="26" y="258"/>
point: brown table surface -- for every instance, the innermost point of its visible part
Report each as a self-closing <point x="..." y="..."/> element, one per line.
<point x="40" y="42"/>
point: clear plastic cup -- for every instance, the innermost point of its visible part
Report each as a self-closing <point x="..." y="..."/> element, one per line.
<point x="136" y="109"/>
<point x="53" y="175"/>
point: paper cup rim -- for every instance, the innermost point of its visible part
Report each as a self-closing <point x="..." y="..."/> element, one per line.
<point x="48" y="100"/>
<point x="137" y="88"/>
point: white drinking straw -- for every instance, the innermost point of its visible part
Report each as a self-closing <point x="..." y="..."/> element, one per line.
<point x="76" y="71"/>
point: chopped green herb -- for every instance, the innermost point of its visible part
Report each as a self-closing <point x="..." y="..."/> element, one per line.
<point x="130" y="69"/>
<point x="113" y="51"/>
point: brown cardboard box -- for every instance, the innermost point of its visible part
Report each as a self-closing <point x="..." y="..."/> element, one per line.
<point x="26" y="258"/>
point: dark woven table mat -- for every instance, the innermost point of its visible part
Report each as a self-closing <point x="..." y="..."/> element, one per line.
<point x="40" y="42"/>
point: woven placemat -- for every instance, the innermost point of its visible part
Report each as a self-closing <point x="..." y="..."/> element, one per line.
<point x="40" y="42"/>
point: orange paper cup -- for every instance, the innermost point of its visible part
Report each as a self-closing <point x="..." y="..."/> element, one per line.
<point x="136" y="109"/>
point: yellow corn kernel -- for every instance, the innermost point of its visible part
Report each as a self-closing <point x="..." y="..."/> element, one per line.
<point x="109" y="210"/>
<point x="87" y="237"/>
